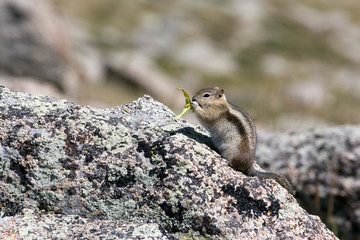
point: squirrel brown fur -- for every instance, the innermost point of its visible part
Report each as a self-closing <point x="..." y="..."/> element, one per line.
<point x="232" y="131"/>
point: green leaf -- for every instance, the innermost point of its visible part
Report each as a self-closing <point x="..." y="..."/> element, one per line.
<point x="187" y="98"/>
<point x="187" y="103"/>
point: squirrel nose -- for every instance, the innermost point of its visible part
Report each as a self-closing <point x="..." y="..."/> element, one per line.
<point x="193" y="99"/>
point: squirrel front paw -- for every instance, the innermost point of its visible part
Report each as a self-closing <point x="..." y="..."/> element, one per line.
<point x="194" y="105"/>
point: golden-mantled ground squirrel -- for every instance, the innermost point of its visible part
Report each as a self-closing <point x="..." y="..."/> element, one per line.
<point x="232" y="132"/>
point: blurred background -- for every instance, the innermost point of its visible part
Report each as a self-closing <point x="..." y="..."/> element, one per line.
<point x="291" y="65"/>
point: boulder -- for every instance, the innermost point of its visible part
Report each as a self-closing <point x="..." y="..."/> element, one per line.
<point x="323" y="164"/>
<point x="129" y="172"/>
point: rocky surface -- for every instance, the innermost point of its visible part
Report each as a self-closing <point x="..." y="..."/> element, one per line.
<point x="324" y="166"/>
<point x="129" y="172"/>
<point x="33" y="225"/>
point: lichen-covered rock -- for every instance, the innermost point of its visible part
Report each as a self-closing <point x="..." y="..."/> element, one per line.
<point x="324" y="164"/>
<point x="34" y="225"/>
<point x="132" y="170"/>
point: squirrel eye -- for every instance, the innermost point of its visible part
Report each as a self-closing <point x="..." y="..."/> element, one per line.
<point x="206" y="95"/>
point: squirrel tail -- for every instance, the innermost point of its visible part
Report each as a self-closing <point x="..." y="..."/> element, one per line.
<point x="269" y="175"/>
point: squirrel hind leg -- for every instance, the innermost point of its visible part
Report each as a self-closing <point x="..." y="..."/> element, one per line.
<point x="269" y="175"/>
<point x="241" y="162"/>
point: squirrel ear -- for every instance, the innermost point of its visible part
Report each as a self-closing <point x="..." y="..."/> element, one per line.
<point x="220" y="93"/>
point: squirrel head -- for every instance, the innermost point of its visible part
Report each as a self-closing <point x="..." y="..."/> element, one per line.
<point x="212" y="101"/>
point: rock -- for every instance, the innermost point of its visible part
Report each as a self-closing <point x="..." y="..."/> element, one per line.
<point x="129" y="172"/>
<point x="33" y="225"/>
<point x="34" y="43"/>
<point x="322" y="164"/>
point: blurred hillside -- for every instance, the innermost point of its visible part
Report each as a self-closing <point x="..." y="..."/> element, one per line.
<point x="291" y="65"/>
